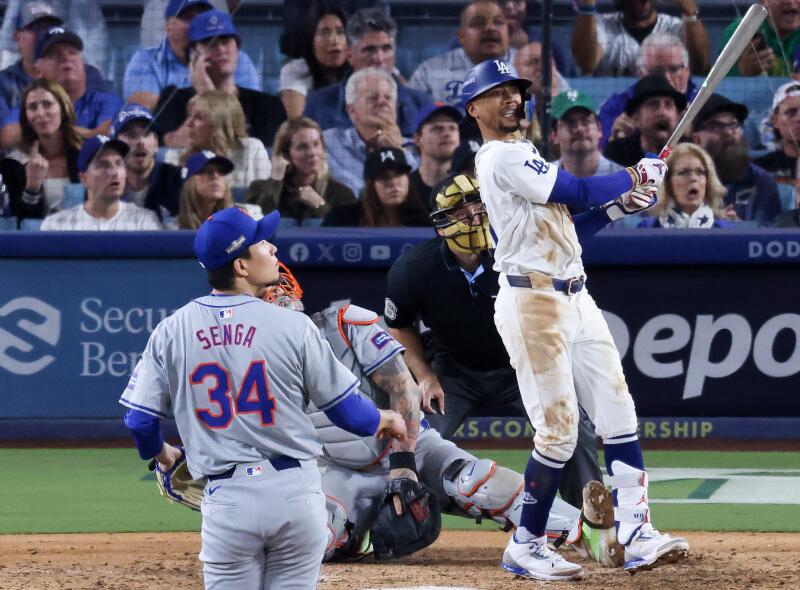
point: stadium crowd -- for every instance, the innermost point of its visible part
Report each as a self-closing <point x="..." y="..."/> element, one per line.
<point x="350" y="140"/>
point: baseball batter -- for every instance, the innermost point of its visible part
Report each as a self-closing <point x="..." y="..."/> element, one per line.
<point x="238" y="373"/>
<point x="556" y="337"/>
<point x="357" y="468"/>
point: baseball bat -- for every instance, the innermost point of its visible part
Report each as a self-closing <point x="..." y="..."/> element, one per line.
<point x="728" y="56"/>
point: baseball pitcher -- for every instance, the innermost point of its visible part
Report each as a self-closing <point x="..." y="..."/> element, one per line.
<point x="238" y="374"/>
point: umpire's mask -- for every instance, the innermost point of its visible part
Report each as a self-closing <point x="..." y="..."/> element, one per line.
<point x="460" y="217"/>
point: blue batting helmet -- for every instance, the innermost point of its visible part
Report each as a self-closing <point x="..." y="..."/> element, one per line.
<point x="488" y="74"/>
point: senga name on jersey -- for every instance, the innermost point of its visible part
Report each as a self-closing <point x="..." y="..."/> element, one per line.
<point x="227" y="335"/>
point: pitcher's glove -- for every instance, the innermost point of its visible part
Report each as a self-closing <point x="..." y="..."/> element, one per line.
<point x="177" y="484"/>
<point x="634" y="201"/>
<point x="417" y="527"/>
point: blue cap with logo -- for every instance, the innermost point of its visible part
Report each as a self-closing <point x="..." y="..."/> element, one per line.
<point x="132" y="112"/>
<point x="55" y="35"/>
<point x="227" y="233"/>
<point x="175" y="7"/>
<point x="202" y="159"/>
<point x="92" y="146"/>
<point x="211" y="24"/>
<point x="432" y="109"/>
<point x="488" y="74"/>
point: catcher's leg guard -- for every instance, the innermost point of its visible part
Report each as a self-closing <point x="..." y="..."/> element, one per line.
<point x="482" y="489"/>
<point x="343" y="544"/>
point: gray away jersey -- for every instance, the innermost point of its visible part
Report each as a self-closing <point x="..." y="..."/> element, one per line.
<point x="363" y="346"/>
<point x="238" y="375"/>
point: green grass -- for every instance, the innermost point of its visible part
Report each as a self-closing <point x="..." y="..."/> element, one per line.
<point x="95" y="490"/>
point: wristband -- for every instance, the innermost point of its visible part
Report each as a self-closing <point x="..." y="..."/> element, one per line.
<point x="587" y="10"/>
<point x="692" y="18"/>
<point x="35" y="193"/>
<point x="402" y="460"/>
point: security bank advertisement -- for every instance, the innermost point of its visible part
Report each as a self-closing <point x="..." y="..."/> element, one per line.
<point x="703" y="344"/>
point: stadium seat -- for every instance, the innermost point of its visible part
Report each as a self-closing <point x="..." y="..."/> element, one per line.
<point x="8" y="224"/>
<point x="239" y="194"/>
<point x="788" y="197"/>
<point x="30" y="224"/>
<point x="74" y="195"/>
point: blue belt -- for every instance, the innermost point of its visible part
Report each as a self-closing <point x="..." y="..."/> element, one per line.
<point x="279" y="463"/>
<point x="567" y="286"/>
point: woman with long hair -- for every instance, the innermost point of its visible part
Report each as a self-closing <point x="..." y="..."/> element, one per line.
<point x="300" y="185"/>
<point x="389" y="198"/>
<point x="48" y="148"/>
<point x="324" y="59"/>
<point x="216" y="123"/>
<point x="691" y="195"/>
<point x="206" y="190"/>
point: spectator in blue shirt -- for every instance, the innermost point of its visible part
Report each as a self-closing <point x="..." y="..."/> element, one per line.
<point x="153" y="69"/>
<point x="751" y="191"/>
<point x="34" y="19"/>
<point x="371" y="36"/>
<point x="661" y="54"/>
<point x="371" y="96"/>
<point x="59" y="60"/>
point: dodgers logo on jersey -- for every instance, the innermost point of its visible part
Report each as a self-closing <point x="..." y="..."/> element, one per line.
<point x="380" y="340"/>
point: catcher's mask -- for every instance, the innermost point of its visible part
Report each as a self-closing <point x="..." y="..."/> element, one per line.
<point x="287" y="292"/>
<point x="460" y="217"/>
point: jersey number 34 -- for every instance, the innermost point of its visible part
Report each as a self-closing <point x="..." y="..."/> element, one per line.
<point x="252" y="398"/>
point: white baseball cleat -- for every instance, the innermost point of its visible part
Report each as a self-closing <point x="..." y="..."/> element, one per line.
<point x="648" y="549"/>
<point x="535" y="560"/>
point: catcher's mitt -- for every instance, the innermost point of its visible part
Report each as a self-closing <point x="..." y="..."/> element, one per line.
<point x="396" y="535"/>
<point x="177" y="484"/>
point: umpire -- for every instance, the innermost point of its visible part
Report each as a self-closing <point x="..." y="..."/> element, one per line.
<point x="449" y="284"/>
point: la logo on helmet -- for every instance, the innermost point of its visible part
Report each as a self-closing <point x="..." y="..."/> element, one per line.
<point x="502" y="67"/>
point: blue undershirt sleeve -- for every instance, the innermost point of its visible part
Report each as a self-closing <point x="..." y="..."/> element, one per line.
<point x="590" y="222"/>
<point x="146" y="432"/>
<point x="355" y="414"/>
<point x="584" y="193"/>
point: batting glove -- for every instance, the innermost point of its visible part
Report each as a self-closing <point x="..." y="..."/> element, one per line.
<point x="649" y="171"/>
<point x="634" y="201"/>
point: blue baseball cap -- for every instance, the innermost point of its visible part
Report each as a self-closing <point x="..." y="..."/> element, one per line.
<point x="432" y="109"/>
<point x="210" y="25"/>
<point x="55" y="35"/>
<point x="175" y="7"/>
<point x="227" y="233"/>
<point x="202" y="159"/>
<point x="132" y="112"/>
<point x="92" y="146"/>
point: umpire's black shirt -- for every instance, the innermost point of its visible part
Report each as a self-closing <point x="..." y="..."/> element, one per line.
<point x="427" y="282"/>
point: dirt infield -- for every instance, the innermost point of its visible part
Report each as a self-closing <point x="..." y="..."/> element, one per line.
<point x="459" y="558"/>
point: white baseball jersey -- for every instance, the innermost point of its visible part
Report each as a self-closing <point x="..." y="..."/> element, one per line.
<point x="620" y="50"/>
<point x="532" y="234"/>
<point x="238" y="374"/>
<point x="130" y="217"/>
<point x="363" y="346"/>
<point x="442" y="76"/>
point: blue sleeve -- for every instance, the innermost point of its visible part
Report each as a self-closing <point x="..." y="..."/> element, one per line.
<point x="108" y="107"/>
<point x="584" y="193"/>
<point x="609" y="111"/>
<point x="146" y="432"/>
<point x="589" y="223"/>
<point x="355" y="414"/>
<point x="767" y="200"/>
<point x="246" y="75"/>
<point x="139" y="76"/>
<point x="11" y="117"/>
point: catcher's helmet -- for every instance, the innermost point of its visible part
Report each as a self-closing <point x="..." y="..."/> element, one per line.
<point x="461" y="229"/>
<point x="287" y="292"/>
<point x="488" y="74"/>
